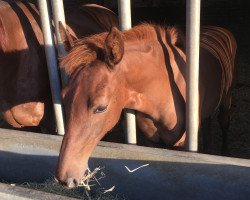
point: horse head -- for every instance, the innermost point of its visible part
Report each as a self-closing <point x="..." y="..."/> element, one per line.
<point x="93" y="98"/>
<point x="112" y="71"/>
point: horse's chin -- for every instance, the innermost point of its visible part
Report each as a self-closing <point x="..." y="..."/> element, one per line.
<point x="68" y="183"/>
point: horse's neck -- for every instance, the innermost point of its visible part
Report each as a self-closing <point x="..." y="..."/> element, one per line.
<point x="151" y="78"/>
<point x="177" y="67"/>
<point x="153" y="61"/>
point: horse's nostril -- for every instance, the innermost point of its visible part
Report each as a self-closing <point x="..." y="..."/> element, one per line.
<point x="71" y="183"/>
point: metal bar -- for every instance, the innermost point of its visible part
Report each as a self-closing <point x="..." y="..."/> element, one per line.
<point x="58" y="15"/>
<point x="52" y="65"/>
<point x="192" y="49"/>
<point x="124" y="8"/>
<point x="130" y="126"/>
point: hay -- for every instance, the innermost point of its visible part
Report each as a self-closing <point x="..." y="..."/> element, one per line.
<point x="88" y="177"/>
<point x="133" y="170"/>
<point x="83" y="192"/>
<point x="51" y="186"/>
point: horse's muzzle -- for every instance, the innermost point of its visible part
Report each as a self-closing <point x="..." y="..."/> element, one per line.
<point x="68" y="182"/>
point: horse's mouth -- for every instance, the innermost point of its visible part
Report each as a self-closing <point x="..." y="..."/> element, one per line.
<point x="69" y="183"/>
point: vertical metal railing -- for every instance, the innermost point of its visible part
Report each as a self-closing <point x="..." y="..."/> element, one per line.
<point x="124" y="9"/>
<point x="59" y="16"/>
<point x="51" y="58"/>
<point x="192" y="49"/>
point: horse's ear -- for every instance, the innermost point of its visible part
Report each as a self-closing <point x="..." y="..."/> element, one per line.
<point x="114" y="47"/>
<point x="66" y="38"/>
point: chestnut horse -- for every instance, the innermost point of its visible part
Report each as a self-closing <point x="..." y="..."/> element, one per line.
<point x="25" y="98"/>
<point x="142" y="69"/>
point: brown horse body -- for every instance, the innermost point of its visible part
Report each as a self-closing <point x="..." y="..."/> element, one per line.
<point x="24" y="84"/>
<point x="142" y="69"/>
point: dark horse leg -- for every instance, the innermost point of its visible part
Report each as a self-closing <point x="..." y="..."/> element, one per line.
<point x="224" y="121"/>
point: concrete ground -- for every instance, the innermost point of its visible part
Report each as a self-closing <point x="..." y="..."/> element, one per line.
<point x="11" y="192"/>
<point x="31" y="157"/>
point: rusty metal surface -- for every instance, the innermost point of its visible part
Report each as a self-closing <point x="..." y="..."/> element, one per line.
<point x="170" y="174"/>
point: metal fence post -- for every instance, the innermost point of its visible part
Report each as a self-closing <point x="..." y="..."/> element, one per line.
<point x="192" y="49"/>
<point x="52" y="65"/>
<point x="124" y="8"/>
<point x="58" y="15"/>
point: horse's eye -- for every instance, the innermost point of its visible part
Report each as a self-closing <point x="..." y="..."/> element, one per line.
<point x="100" y="109"/>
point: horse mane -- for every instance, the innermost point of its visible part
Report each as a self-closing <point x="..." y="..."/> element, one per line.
<point x="84" y="52"/>
<point x="87" y="50"/>
<point x="148" y="32"/>
<point x="222" y="45"/>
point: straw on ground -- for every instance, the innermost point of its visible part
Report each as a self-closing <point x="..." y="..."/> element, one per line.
<point x="133" y="170"/>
